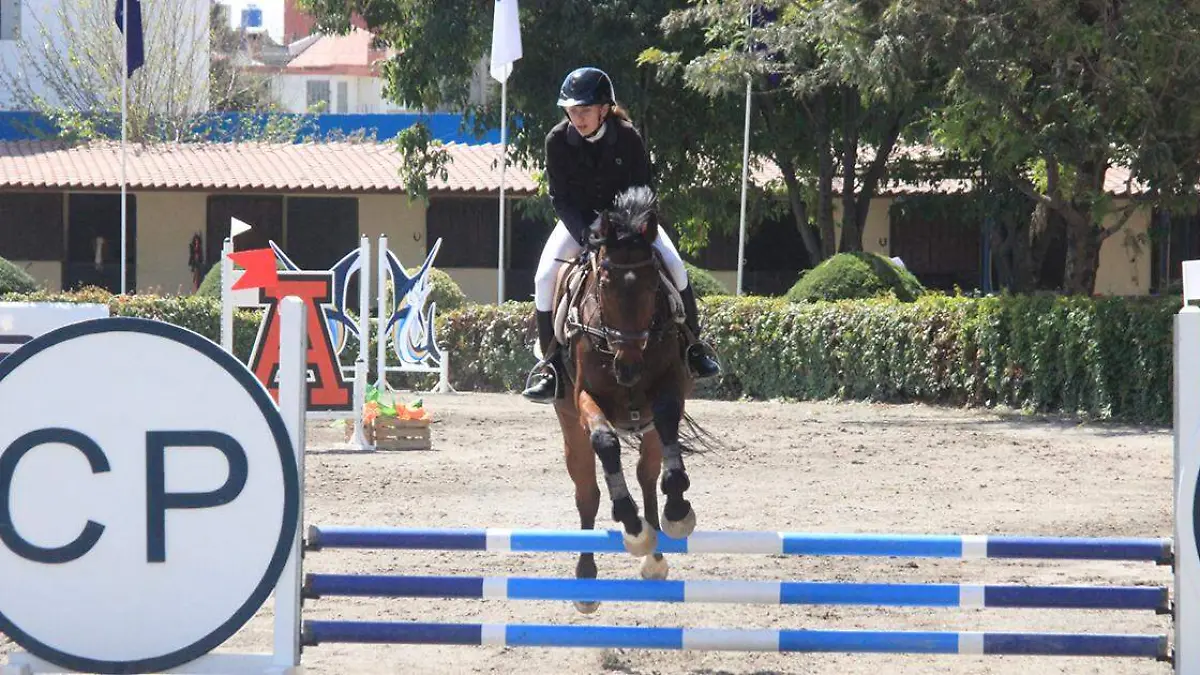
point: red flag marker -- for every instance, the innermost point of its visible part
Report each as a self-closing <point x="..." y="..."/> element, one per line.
<point x="259" y="264"/>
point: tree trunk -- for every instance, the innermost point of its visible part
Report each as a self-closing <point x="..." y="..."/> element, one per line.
<point x="875" y="173"/>
<point x="1083" y="252"/>
<point x="851" y="233"/>
<point x="823" y="133"/>
<point x="1084" y="234"/>
<point x="1046" y="229"/>
<point x="799" y="210"/>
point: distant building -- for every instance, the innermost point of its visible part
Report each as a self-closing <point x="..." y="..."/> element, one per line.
<point x="29" y="28"/>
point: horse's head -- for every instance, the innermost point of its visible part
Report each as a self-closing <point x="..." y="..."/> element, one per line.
<point x="628" y="278"/>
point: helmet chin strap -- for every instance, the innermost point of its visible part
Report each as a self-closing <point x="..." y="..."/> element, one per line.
<point x="599" y="132"/>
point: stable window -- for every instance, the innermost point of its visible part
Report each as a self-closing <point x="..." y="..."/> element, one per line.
<point x="317" y="94"/>
<point x="321" y="230"/>
<point x="469" y="229"/>
<point x="31" y="226"/>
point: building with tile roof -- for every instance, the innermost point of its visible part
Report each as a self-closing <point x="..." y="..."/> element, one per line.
<point x="60" y="213"/>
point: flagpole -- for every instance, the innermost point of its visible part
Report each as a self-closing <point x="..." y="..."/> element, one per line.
<point x="503" y="164"/>
<point x="745" y="175"/>
<point x="124" y="112"/>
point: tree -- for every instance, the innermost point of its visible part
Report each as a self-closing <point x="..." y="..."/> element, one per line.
<point x="837" y="83"/>
<point x="441" y="42"/>
<point x="71" y="72"/>
<point x="1054" y="94"/>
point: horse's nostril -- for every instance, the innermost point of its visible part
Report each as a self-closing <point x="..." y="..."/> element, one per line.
<point x="627" y="373"/>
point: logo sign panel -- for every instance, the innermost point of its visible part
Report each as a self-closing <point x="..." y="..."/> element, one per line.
<point x="147" y="511"/>
<point x="20" y="322"/>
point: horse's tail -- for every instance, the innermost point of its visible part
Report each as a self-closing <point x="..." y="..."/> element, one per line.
<point x="696" y="439"/>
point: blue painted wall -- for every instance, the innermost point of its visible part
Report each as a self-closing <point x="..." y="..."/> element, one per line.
<point x="446" y="127"/>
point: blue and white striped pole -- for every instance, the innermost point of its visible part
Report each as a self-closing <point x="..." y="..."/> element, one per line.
<point x="747" y="592"/>
<point x="720" y="639"/>
<point x="771" y="543"/>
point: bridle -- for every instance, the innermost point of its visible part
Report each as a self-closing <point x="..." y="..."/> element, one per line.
<point x="606" y="339"/>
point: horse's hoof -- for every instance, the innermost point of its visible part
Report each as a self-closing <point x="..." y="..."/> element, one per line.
<point x="678" y="529"/>
<point x="588" y="607"/>
<point x="644" y="543"/>
<point x="654" y="567"/>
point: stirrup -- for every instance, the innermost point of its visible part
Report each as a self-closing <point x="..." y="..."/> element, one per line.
<point x="545" y="369"/>
<point x="697" y="349"/>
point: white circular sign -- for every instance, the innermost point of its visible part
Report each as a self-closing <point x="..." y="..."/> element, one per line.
<point x="148" y="495"/>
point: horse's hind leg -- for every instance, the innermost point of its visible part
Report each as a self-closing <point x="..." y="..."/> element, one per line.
<point x="654" y="566"/>
<point x="581" y="466"/>
<point x="679" y="520"/>
<point x="640" y="539"/>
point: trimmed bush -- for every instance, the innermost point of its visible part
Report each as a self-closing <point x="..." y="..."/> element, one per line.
<point x="854" y="275"/>
<point x="1106" y="358"/>
<point x="13" y="279"/>
<point x="703" y="283"/>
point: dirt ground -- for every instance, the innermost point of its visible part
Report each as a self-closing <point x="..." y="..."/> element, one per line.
<point x="497" y="461"/>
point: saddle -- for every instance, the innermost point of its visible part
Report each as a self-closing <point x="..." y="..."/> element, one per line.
<point x="568" y="296"/>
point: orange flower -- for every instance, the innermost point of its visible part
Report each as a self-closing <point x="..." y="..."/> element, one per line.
<point x="370" y="412"/>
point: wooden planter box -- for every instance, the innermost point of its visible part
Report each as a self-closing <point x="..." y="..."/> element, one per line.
<point x="390" y="433"/>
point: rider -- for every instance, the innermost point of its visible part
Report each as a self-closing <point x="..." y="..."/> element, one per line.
<point x="592" y="156"/>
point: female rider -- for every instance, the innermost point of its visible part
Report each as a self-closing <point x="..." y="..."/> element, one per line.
<point x="592" y="156"/>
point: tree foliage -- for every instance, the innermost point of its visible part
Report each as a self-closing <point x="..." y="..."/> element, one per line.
<point x="1037" y="98"/>
<point x="1055" y="94"/>
<point x="441" y="42"/>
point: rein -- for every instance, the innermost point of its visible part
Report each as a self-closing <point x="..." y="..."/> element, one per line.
<point x="604" y="338"/>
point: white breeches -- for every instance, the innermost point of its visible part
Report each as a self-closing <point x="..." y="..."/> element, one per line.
<point x="562" y="246"/>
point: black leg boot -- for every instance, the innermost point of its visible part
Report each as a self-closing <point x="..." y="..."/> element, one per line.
<point x="543" y="382"/>
<point x="700" y="359"/>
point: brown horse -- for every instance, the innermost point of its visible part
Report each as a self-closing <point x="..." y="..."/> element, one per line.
<point x="625" y="372"/>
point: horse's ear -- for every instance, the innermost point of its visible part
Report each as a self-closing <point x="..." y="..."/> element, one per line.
<point x="598" y="234"/>
<point x="649" y="227"/>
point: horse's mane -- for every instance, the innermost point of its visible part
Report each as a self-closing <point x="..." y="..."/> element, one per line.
<point x="630" y="208"/>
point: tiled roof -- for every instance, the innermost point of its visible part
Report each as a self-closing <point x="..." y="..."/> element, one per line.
<point x="316" y="167"/>
<point x="259" y="167"/>
<point x="349" y="54"/>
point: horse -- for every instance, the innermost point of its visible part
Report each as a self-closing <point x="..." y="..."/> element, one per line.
<point x="625" y="373"/>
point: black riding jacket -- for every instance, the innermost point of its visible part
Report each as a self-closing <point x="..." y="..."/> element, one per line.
<point x="585" y="177"/>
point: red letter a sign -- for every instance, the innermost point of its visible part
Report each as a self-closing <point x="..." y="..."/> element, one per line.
<point x="327" y="389"/>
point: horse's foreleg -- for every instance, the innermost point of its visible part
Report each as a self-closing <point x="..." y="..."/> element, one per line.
<point x="640" y="538"/>
<point x="581" y="466"/>
<point x="678" y="518"/>
<point x="654" y="566"/>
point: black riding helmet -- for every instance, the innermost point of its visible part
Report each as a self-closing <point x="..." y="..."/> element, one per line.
<point x="586" y="86"/>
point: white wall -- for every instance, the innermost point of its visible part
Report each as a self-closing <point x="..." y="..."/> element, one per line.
<point x="365" y="93"/>
<point x="170" y="27"/>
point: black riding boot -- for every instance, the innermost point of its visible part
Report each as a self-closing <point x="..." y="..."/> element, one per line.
<point x="699" y="357"/>
<point x="544" y="384"/>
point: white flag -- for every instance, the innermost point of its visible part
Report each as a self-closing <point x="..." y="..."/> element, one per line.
<point x="237" y="227"/>
<point x="506" y="39"/>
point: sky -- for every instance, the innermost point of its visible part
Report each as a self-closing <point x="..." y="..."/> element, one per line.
<point x="272" y="14"/>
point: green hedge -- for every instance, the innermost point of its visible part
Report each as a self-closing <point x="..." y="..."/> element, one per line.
<point x="13" y="279"/>
<point x="1098" y="357"/>
<point x="855" y="275"/>
<point x="703" y="283"/>
<point x="1107" y="358"/>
